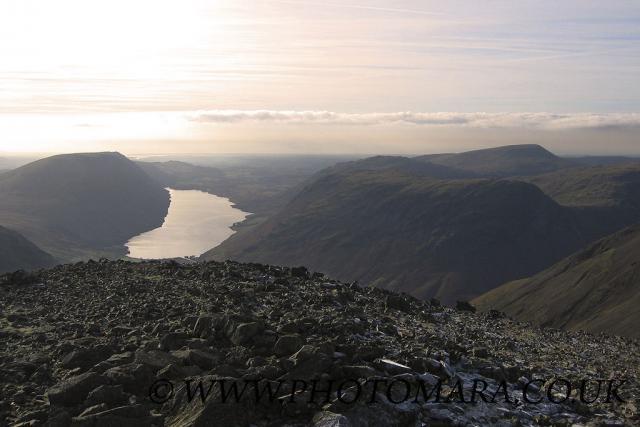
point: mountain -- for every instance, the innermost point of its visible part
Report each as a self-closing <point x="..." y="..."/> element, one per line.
<point x="432" y="230"/>
<point x="17" y="253"/>
<point x="130" y="344"/>
<point x="510" y="160"/>
<point x="80" y="205"/>
<point x="603" y="186"/>
<point x="449" y="239"/>
<point x="604" y="198"/>
<point x="596" y="290"/>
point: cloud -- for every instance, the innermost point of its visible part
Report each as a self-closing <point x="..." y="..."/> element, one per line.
<point x="544" y="121"/>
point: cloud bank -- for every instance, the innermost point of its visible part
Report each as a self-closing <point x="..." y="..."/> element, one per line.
<point x="543" y="121"/>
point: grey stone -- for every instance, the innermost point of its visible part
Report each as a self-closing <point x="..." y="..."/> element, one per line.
<point x="329" y="419"/>
<point x="244" y="332"/>
<point x="288" y="344"/>
<point x="74" y="390"/>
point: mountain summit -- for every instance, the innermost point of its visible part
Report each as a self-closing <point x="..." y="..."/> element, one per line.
<point x="509" y="160"/>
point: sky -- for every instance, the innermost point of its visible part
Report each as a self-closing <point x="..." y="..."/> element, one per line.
<point x="298" y="76"/>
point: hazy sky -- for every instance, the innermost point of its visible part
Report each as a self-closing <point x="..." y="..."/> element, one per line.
<point x="144" y="76"/>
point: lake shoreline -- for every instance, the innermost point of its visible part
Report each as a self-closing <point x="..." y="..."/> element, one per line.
<point x="196" y="222"/>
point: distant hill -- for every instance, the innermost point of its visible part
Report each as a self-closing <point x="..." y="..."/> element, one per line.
<point x="596" y="289"/>
<point x="451" y="239"/>
<point x="604" y="198"/>
<point x="411" y="166"/>
<point x="510" y="160"/>
<point x="259" y="186"/>
<point x="79" y="205"/>
<point x="604" y="160"/>
<point x="616" y="185"/>
<point x="17" y="253"/>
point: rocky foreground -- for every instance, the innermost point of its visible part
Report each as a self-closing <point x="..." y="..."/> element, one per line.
<point x="119" y="343"/>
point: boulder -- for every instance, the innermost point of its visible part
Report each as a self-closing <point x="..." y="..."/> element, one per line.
<point x="330" y="419"/>
<point x="155" y="359"/>
<point x="397" y="302"/>
<point x="244" y="333"/>
<point x="74" y="390"/>
<point x="308" y="362"/>
<point x="110" y="395"/>
<point x="200" y="358"/>
<point x="86" y="357"/>
<point x="288" y="344"/>
<point x="173" y="341"/>
<point x="204" y="327"/>
<point x="125" y="416"/>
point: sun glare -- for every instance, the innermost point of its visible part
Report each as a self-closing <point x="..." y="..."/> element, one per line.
<point x="109" y="39"/>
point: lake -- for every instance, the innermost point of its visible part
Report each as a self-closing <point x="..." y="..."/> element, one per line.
<point x="196" y="222"/>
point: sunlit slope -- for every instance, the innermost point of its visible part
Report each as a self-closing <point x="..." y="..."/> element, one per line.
<point x="596" y="289"/>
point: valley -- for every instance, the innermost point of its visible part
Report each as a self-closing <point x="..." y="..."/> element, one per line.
<point x="448" y="227"/>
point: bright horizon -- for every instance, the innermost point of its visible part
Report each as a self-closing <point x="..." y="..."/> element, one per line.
<point x="305" y="77"/>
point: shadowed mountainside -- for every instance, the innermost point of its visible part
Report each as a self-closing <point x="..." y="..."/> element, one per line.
<point x="595" y="290"/>
<point x="17" y="253"/>
<point x="431" y="238"/>
<point x="79" y="205"/>
<point x="427" y="229"/>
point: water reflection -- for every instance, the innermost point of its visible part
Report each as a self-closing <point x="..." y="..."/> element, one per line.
<point x="196" y="222"/>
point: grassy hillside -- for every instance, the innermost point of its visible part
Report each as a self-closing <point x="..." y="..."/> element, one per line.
<point x="17" y="253"/>
<point x="79" y="205"/>
<point x="605" y="198"/>
<point x="428" y="229"/>
<point x="432" y="238"/>
<point x="596" y="289"/>
<point x="606" y="186"/>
